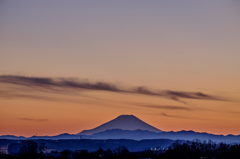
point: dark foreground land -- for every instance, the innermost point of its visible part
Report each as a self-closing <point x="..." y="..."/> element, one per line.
<point x="93" y="145"/>
<point x="177" y="150"/>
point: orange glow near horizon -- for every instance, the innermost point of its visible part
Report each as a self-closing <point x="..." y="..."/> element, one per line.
<point x="76" y="113"/>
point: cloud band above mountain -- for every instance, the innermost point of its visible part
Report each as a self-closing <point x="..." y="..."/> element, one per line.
<point x="63" y="84"/>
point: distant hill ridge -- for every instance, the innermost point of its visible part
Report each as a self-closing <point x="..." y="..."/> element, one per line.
<point x="123" y="122"/>
<point x="180" y="135"/>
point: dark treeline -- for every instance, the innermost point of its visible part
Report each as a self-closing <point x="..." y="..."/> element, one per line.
<point x="178" y="150"/>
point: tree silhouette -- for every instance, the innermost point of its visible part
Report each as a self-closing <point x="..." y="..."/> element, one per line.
<point x="42" y="146"/>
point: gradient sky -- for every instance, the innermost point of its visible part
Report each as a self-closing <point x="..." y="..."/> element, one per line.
<point x="68" y="66"/>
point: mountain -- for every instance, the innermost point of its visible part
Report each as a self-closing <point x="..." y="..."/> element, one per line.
<point x="124" y="122"/>
<point x="125" y="134"/>
<point x="130" y="127"/>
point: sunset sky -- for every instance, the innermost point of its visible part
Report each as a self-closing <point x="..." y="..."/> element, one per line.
<point x="68" y="66"/>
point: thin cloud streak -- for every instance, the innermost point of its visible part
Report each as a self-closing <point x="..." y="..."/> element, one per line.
<point x="172" y="116"/>
<point x="62" y="85"/>
<point x="34" y="120"/>
<point x="12" y="95"/>
<point x="169" y="107"/>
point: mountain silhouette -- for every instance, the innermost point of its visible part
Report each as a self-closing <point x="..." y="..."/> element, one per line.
<point x="130" y="127"/>
<point x="123" y="122"/>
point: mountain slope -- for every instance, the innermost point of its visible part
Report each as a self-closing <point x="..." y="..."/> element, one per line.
<point x="124" y="122"/>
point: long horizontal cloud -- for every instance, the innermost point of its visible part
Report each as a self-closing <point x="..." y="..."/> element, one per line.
<point x="34" y="120"/>
<point x="61" y="84"/>
<point x="57" y="82"/>
<point x="170" y="107"/>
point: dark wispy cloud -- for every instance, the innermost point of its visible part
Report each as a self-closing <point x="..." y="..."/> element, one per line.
<point x="62" y="85"/>
<point x="49" y="83"/>
<point x="169" y="107"/>
<point x="34" y="120"/>
<point x="190" y="95"/>
<point x="173" y="116"/>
